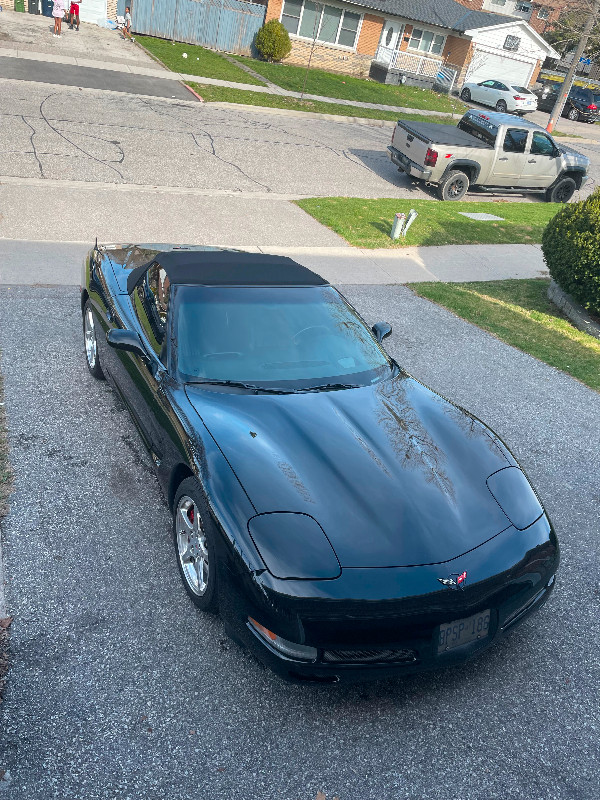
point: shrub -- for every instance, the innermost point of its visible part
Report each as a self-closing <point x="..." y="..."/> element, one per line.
<point x="273" y="41"/>
<point x="571" y="246"/>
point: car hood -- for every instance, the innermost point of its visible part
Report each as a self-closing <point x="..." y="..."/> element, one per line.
<point x="394" y="474"/>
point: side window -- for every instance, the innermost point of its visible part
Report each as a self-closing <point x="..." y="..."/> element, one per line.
<point x="500" y="86"/>
<point x="151" y="302"/>
<point x="515" y="140"/>
<point x="541" y="145"/>
<point x="488" y="84"/>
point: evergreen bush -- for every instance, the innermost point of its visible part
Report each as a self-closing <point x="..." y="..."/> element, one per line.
<point x="273" y="41"/>
<point x="571" y="247"/>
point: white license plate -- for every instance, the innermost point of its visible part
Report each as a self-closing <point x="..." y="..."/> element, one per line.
<point x="462" y="631"/>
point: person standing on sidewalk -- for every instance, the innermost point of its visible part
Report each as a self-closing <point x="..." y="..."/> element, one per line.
<point x="58" y="12"/>
<point x="74" y="15"/>
<point x="127" y="31"/>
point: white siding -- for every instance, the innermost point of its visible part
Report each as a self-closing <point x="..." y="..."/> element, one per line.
<point x="93" y="11"/>
<point x="494" y="38"/>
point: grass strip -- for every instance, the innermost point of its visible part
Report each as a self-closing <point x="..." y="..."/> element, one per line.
<point x="367" y="223"/>
<point x="222" y="94"/>
<point x="346" y="87"/>
<point x="519" y="313"/>
<point x="199" y="61"/>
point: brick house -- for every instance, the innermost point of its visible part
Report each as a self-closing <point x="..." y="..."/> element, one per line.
<point x="411" y="40"/>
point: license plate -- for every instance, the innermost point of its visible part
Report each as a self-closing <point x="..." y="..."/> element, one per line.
<point x="462" y="631"/>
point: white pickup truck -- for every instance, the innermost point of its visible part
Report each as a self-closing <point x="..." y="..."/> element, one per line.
<point x="493" y="151"/>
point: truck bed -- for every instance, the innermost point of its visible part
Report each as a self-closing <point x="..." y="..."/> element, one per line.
<point x="443" y="134"/>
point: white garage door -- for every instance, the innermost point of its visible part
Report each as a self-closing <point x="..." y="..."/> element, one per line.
<point x="92" y="11"/>
<point x="487" y="66"/>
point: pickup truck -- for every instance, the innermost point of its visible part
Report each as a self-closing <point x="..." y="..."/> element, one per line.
<point x="490" y="150"/>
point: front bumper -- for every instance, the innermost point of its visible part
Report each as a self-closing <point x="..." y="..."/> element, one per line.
<point x="406" y="165"/>
<point x="376" y="623"/>
<point x="407" y="657"/>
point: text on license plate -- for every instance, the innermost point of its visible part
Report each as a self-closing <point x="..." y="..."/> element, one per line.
<point x="463" y="631"/>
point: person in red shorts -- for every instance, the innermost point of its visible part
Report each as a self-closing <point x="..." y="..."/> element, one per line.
<point x="74" y="15"/>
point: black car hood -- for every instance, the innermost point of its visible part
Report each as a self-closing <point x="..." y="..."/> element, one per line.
<point x="394" y="474"/>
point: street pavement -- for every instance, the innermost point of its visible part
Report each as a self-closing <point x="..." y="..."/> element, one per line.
<point x="121" y="690"/>
<point x="77" y="163"/>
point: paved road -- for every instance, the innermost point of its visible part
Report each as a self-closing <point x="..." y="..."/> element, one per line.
<point x="121" y="690"/>
<point x="76" y="164"/>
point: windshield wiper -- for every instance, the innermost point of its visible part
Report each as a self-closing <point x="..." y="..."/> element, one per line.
<point x="330" y="386"/>
<point x="242" y="385"/>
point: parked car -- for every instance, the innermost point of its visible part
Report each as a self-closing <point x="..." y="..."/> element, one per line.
<point x="347" y="521"/>
<point x="581" y="104"/>
<point x="492" y="151"/>
<point x="501" y="96"/>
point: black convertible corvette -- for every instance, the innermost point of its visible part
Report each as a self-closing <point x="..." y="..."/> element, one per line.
<point x="346" y="521"/>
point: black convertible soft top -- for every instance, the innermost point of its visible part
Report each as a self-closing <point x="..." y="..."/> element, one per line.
<point x="228" y="268"/>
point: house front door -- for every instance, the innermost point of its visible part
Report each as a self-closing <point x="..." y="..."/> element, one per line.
<point x="389" y="42"/>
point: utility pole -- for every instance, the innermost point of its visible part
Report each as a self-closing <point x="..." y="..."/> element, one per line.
<point x="568" y="82"/>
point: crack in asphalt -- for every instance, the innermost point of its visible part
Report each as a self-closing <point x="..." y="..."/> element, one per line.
<point x="224" y="160"/>
<point x="74" y="144"/>
<point x="33" y="132"/>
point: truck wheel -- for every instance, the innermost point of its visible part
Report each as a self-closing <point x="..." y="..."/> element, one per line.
<point x="501" y="106"/>
<point x="562" y="191"/>
<point x="454" y="186"/>
<point x="465" y="95"/>
<point x="573" y="114"/>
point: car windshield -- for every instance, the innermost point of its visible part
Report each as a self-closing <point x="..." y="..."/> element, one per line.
<point x="521" y="90"/>
<point x="293" y="337"/>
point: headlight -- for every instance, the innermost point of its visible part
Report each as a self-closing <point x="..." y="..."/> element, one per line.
<point x="293" y="545"/>
<point x="513" y="493"/>
<point x="290" y="649"/>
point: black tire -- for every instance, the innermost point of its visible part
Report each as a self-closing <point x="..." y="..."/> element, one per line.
<point x="90" y="342"/>
<point x="465" y="95"/>
<point x="194" y="536"/>
<point x="573" y="114"/>
<point x="562" y="191"/>
<point x="501" y="107"/>
<point x="454" y="186"/>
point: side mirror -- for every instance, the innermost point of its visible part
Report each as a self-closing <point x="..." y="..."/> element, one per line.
<point x="381" y="330"/>
<point x="126" y="340"/>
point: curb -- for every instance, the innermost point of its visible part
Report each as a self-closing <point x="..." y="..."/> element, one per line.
<point x="373" y="123"/>
<point x="575" y="312"/>
<point x="193" y="92"/>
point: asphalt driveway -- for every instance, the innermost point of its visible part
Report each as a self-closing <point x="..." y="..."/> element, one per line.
<point x="121" y="689"/>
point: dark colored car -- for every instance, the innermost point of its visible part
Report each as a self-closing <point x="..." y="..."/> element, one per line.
<point x="581" y="104"/>
<point x="347" y="522"/>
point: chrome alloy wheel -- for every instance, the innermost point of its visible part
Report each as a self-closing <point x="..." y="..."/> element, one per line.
<point x="89" y="335"/>
<point x="191" y="546"/>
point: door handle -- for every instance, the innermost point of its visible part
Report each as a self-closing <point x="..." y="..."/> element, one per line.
<point x="503" y="159"/>
<point x="532" y="161"/>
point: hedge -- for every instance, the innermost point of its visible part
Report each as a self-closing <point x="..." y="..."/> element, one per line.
<point x="571" y="247"/>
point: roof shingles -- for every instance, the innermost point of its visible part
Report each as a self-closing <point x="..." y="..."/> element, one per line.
<point x="445" y="13"/>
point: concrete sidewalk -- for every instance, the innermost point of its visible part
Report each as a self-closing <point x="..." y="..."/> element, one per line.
<point x="164" y="74"/>
<point x="59" y="263"/>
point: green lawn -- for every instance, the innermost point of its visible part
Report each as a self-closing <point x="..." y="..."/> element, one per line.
<point x="199" y="61"/>
<point x="332" y="84"/>
<point x="367" y="223"/>
<point x="518" y="312"/>
<point x="221" y="94"/>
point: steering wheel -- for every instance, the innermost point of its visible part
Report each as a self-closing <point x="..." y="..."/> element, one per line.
<point x="226" y="354"/>
<point x="310" y="328"/>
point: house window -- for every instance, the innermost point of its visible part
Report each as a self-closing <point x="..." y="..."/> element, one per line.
<point x="316" y="21"/>
<point x="543" y="13"/>
<point x="426" y="41"/>
<point x="523" y="8"/>
<point x="512" y="43"/>
<point x="499" y="2"/>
